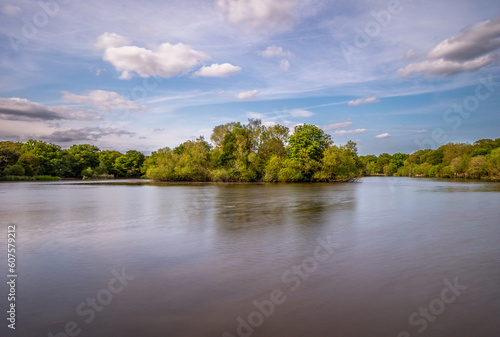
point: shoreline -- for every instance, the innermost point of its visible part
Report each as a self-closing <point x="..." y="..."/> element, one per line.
<point x="144" y="181"/>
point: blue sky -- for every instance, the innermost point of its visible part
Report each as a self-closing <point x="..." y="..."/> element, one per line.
<point x="394" y="76"/>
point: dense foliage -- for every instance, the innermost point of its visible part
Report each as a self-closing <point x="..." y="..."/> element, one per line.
<point x="41" y="159"/>
<point x="479" y="160"/>
<point x="255" y="152"/>
<point x="246" y="153"/>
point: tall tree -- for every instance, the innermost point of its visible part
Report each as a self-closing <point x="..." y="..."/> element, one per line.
<point x="308" y="142"/>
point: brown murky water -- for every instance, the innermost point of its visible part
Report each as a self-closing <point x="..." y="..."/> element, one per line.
<point x="385" y="257"/>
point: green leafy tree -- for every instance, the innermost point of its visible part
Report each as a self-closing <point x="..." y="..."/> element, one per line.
<point x="291" y="172"/>
<point x="107" y="160"/>
<point x="308" y="142"/>
<point x="340" y="163"/>
<point x="193" y="163"/>
<point x="14" y="170"/>
<point x="272" y="169"/>
<point x="188" y="162"/>
<point x="30" y="163"/>
<point x="458" y="165"/>
<point x="87" y="173"/>
<point x="494" y="163"/>
<point x="452" y="151"/>
<point x="477" y="167"/>
<point x="49" y="156"/>
<point x="81" y="157"/>
<point x="398" y="159"/>
<point x="390" y="169"/>
<point x="371" y="164"/>
<point x="273" y="141"/>
<point x="129" y="165"/>
<point x="220" y="131"/>
<point x="162" y="166"/>
<point x="9" y="153"/>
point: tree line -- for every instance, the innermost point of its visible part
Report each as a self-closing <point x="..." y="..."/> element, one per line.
<point x="249" y="153"/>
<point x="463" y="160"/>
<point x="38" y="158"/>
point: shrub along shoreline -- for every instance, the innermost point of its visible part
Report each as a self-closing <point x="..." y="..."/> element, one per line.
<point x="248" y="153"/>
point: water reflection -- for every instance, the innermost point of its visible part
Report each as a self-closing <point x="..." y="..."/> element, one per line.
<point x="202" y="254"/>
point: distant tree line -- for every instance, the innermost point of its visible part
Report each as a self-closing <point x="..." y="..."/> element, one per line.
<point x="479" y="160"/>
<point x="38" y="158"/>
<point x="248" y="153"/>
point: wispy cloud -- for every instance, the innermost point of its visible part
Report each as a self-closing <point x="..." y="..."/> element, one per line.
<point x="248" y="94"/>
<point x="383" y="135"/>
<point x="349" y="132"/>
<point x="275" y="51"/>
<point x="257" y="115"/>
<point x="285" y="65"/>
<point x="337" y="126"/>
<point x="103" y="100"/>
<point x="300" y="113"/>
<point x="258" y="15"/>
<point x="361" y="101"/>
<point x="444" y="67"/>
<point x="469" y="50"/>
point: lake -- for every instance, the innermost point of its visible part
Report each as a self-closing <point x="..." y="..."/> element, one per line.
<point x="384" y="257"/>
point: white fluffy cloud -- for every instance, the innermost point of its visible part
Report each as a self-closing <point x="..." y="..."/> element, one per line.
<point x="349" y="132"/>
<point x="248" y="94"/>
<point x="383" y="135"/>
<point x="165" y="60"/>
<point x="470" y="50"/>
<point x="218" y="70"/>
<point x="274" y="51"/>
<point x="109" y="40"/>
<point x="364" y="101"/>
<point x="103" y="100"/>
<point x="259" y="14"/>
<point x="24" y="110"/>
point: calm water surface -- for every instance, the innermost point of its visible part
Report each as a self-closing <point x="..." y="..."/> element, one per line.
<point x="355" y="259"/>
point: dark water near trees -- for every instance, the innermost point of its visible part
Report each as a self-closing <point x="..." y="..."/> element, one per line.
<point x="385" y="257"/>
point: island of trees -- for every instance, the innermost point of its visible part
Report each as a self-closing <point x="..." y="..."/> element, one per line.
<point x="249" y="152"/>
